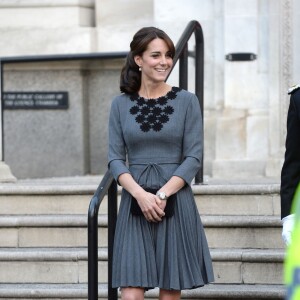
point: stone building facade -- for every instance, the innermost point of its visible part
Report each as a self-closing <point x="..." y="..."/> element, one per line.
<point x="245" y="102"/>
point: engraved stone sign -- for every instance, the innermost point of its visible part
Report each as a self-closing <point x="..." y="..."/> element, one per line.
<point x="35" y="100"/>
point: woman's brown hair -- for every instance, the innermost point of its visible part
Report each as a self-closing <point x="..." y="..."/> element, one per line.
<point x="130" y="80"/>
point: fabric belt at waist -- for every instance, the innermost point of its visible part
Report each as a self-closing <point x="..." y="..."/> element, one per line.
<point x="154" y="161"/>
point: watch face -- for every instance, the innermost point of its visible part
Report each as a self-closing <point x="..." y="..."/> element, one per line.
<point x="162" y="195"/>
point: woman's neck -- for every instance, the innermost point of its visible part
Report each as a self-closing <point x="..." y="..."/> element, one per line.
<point x="154" y="91"/>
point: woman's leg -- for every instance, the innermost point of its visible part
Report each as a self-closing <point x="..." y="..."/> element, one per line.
<point x="132" y="293"/>
<point x="169" y="295"/>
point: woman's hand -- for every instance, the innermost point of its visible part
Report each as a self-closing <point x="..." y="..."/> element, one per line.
<point x="161" y="203"/>
<point x="151" y="207"/>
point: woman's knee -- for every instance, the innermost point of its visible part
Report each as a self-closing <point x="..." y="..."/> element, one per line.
<point x="169" y="295"/>
<point x="132" y="294"/>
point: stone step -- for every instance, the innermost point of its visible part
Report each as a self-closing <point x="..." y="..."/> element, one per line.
<point x="49" y="231"/>
<point x="69" y="265"/>
<point x="48" y="265"/>
<point x="47" y="204"/>
<point x="79" y="292"/>
<point x="238" y="199"/>
<point x="78" y="204"/>
<point x="72" y="196"/>
<point x="43" y="229"/>
<point x="47" y="199"/>
<point x="248" y="266"/>
<point x="243" y="231"/>
<point x="71" y="231"/>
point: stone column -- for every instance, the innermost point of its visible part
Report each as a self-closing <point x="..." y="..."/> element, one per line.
<point x="281" y="69"/>
<point x="242" y="129"/>
<point x="5" y="172"/>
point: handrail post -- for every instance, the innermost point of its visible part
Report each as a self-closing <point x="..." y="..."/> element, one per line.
<point x="183" y="69"/>
<point x="112" y="219"/>
<point x="93" y="250"/>
<point x="199" y="87"/>
<point x="107" y="186"/>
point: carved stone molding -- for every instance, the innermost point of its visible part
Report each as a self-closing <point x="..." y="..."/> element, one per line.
<point x="286" y="49"/>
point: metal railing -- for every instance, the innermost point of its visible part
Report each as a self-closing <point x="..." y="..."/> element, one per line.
<point x="108" y="185"/>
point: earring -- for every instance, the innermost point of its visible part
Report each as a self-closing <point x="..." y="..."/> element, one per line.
<point x="140" y="68"/>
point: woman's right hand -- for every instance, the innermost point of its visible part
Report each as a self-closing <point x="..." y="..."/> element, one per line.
<point x="148" y="204"/>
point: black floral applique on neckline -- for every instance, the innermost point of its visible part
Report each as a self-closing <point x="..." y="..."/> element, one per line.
<point x="153" y="113"/>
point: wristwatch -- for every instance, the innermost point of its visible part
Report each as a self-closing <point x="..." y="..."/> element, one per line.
<point x="162" y="195"/>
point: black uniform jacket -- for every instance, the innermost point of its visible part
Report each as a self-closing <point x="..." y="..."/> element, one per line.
<point x="290" y="173"/>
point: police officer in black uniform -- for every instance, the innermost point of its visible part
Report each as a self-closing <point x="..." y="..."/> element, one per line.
<point x="290" y="173"/>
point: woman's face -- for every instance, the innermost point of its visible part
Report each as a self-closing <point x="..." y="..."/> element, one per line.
<point x="156" y="62"/>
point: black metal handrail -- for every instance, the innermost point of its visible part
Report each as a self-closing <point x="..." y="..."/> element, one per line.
<point x="109" y="185"/>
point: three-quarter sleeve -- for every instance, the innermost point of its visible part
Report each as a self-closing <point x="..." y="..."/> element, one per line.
<point x="116" y="149"/>
<point x="192" y="143"/>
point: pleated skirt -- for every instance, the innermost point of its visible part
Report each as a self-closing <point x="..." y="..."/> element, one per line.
<point x="172" y="254"/>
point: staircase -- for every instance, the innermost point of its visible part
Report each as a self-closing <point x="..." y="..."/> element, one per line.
<point x="43" y="240"/>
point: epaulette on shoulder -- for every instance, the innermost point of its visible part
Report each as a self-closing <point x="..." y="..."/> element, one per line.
<point x="294" y="88"/>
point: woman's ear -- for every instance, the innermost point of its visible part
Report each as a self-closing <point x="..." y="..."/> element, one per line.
<point x="137" y="60"/>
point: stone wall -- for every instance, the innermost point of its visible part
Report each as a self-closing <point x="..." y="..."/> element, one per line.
<point x="32" y="27"/>
<point x="60" y="142"/>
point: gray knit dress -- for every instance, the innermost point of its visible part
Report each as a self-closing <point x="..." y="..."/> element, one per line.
<point x="153" y="140"/>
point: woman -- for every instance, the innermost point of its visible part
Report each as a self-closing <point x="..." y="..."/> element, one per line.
<point x="159" y="240"/>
